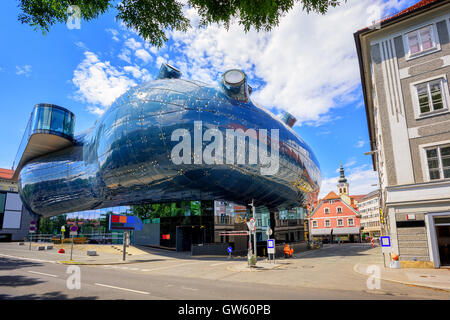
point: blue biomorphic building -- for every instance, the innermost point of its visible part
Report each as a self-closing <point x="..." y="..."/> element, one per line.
<point x="173" y="141"/>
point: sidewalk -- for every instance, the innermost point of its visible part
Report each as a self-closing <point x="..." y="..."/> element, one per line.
<point x="431" y="278"/>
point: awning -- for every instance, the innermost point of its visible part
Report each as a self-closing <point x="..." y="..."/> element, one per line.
<point x="345" y="230"/>
<point x="336" y="231"/>
<point x="321" y="232"/>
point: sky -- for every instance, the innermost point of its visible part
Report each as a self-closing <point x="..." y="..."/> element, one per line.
<point x="307" y="65"/>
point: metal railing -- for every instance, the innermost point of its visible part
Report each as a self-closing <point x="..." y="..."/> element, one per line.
<point x="94" y="238"/>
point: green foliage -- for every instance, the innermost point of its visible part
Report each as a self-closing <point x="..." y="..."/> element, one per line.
<point x="42" y="14"/>
<point x="52" y="225"/>
<point x="150" y="18"/>
<point x="172" y="209"/>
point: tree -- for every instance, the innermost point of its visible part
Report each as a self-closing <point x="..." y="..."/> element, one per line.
<point x="150" y="18"/>
<point x="142" y="211"/>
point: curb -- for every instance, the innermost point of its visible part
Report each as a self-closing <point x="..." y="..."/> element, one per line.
<point x="257" y="269"/>
<point x="80" y="263"/>
<point x="405" y="283"/>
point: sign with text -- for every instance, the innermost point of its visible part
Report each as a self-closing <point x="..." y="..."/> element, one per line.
<point x="385" y="244"/>
<point x="271" y="246"/>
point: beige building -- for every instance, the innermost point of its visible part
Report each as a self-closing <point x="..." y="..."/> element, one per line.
<point x="6" y="183"/>
<point x="405" y="68"/>
<point x="369" y="209"/>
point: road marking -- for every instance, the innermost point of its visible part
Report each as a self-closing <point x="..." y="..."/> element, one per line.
<point x="134" y="269"/>
<point x="38" y="260"/>
<point x="112" y="287"/>
<point x="44" y="274"/>
<point x="186" y="288"/>
<point x="218" y="264"/>
<point x="174" y="266"/>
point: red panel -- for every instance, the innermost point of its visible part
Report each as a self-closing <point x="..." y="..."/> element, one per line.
<point x="115" y="218"/>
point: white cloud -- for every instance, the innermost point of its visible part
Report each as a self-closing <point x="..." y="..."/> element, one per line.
<point x="99" y="83"/>
<point x="143" y="55"/>
<point x="360" y="143"/>
<point x="361" y="181"/>
<point x="125" y="55"/>
<point x="133" y="44"/>
<point x="114" y="33"/>
<point x="24" y="70"/>
<point x="308" y="62"/>
<point x="138" y="73"/>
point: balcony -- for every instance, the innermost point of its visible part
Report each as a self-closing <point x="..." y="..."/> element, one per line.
<point x="49" y="129"/>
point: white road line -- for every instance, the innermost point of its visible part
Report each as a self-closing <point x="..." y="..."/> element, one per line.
<point x="112" y="287"/>
<point x="186" y="288"/>
<point x="174" y="266"/>
<point x="134" y="269"/>
<point x="218" y="264"/>
<point x="44" y="274"/>
<point x="22" y="258"/>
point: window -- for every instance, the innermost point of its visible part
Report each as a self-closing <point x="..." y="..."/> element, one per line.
<point x="421" y="40"/>
<point x="340" y="223"/>
<point x="350" y="221"/>
<point x="326" y="210"/>
<point x="339" y="210"/>
<point x="331" y="201"/>
<point x="314" y="223"/>
<point x="430" y="95"/>
<point x="327" y="223"/>
<point x="438" y="159"/>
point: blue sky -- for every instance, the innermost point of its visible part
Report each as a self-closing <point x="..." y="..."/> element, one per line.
<point x="307" y="66"/>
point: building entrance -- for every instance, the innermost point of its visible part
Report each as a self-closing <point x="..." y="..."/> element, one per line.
<point x="189" y="235"/>
<point x="443" y="239"/>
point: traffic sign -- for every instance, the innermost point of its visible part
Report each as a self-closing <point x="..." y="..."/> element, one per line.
<point x="269" y="232"/>
<point x="230" y="249"/>
<point x="73" y="230"/>
<point x="32" y="227"/>
<point x="251" y="224"/>
<point x="271" y="246"/>
<point x="386" y="244"/>
<point x="63" y="229"/>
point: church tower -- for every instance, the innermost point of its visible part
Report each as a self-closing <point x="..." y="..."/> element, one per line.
<point x="343" y="186"/>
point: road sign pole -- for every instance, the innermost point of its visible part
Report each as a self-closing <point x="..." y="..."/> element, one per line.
<point x="71" y="249"/>
<point x="254" y="232"/>
<point x="29" y="236"/>
<point x="124" y="244"/>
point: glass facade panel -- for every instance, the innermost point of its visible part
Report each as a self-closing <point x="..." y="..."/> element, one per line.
<point x="44" y="118"/>
<point x="57" y="120"/>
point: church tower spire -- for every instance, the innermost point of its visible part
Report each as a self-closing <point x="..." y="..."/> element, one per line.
<point x="342" y="183"/>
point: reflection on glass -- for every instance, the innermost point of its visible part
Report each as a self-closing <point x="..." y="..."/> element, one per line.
<point x="57" y="120"/>
<point x="44" y="118"/>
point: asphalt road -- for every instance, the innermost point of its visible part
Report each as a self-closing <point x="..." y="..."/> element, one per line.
<point x="322" y="274"/>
